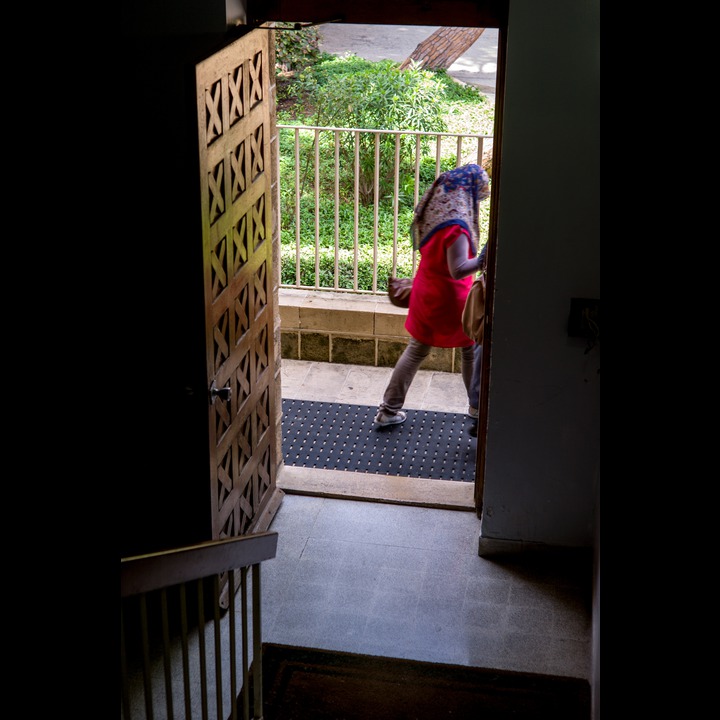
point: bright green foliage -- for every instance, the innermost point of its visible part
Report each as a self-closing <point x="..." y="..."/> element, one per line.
<point x="458" y="92"/>
<point x="366" y="242"/>
<point x="296" y="49"/>
<point x="346" y="231"/>
<point x="353" y="93"/>
<point x="346" y="244"/>
<point x="326" y="264"/>
<point x="345" y="267"/>
<point x="350" y="92"/>
<point x="376" y="95"/>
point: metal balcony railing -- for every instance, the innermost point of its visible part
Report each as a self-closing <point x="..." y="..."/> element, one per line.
<point x="347" y="196"/>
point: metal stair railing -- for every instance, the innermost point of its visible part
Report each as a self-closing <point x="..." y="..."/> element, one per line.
<point x="181" y="655"/>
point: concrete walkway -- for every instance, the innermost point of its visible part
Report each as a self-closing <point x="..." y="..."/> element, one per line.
<point x="478" y="66"/>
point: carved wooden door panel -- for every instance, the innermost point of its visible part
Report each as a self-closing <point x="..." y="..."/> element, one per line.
<point x="235" y="169"/>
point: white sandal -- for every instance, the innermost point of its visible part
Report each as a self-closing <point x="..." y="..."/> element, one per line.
<point x="383" y="419"/>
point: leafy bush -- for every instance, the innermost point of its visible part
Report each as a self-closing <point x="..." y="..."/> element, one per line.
<point x="346" y="225"/>
<point x="296" y="49"/>
<point x="346" y="264"/>
<point x="350" y="92"/>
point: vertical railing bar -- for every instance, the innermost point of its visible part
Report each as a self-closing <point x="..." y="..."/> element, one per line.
<point x="167" y="662"/>
<point x="396" y="202"/>
<point x="416" y="196"/>
<point x="245" y="644"/>
<point x="144" y="633"/>
<point x="356" y="197"/>
<point x="298" y="265"/>
<point x="201" y="649"/>
<point x="125" y="697"/>
<point x="218" y="648"/>
<point x="233" y="646"/>
<point x="458" y="158"/>
<point x="317" y="209"/>
<point x="185" y="650"/>
<point x="479" y="151"/>
<point x="376" y="209"/>
<point x="438" y="153"/>
<point x="337" y="211"/>
<point x="257" y="642"/>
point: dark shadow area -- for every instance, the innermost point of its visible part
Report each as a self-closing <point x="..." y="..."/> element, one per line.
<point x="300" y="683"/>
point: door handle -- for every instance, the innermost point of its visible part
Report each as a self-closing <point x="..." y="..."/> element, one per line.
<point x="224" y="393"/>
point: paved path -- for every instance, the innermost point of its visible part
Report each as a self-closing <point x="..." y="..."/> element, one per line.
<point x="395" y="42"/>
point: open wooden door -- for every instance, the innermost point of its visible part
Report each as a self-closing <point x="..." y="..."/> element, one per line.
<point x="234" y="129"/>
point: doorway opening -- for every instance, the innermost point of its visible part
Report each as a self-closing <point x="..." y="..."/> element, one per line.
<point x="477" y="65"/>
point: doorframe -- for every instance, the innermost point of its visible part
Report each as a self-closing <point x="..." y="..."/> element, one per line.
<point x="496" y="12"/>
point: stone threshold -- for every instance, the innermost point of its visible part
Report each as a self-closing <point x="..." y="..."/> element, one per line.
<point x="420" y="492"/>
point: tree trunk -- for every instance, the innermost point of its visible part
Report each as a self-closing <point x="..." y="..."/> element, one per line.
<point x="441" y="49"/>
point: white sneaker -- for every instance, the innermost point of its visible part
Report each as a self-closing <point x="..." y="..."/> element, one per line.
<point x="472" y="412"/>
<point x="383" y="418"/>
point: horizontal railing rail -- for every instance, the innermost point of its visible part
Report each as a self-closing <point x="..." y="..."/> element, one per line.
<point x="347" y="197"/>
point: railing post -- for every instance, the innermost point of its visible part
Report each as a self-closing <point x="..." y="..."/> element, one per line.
<point x="257" y="644"/>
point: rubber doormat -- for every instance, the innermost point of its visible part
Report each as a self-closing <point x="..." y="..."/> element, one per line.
<point x="333" y="436"/>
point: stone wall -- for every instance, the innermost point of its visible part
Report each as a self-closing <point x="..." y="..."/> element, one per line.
<point x="351" y="329"/>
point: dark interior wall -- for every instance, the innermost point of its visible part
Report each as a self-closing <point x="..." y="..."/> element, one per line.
<point x="179" y="17"/>
<point x="162" y="342"/>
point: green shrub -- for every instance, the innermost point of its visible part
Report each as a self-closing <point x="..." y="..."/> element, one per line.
<point x="374" y="95"/>
<point x="296" y="49"/>
<point x="350" y="92"/>
<point x="346" y="222"/>
<point x="346" y="259"/>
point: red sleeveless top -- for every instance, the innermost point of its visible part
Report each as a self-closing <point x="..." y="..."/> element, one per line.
<point x="437" y="300"/>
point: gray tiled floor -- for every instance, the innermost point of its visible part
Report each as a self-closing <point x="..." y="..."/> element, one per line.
<point x="406" y="581"/>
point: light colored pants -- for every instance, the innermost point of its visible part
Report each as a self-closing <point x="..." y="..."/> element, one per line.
<point x="406" y="368"/>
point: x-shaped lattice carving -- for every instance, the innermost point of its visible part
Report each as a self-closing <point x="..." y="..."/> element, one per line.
<point x="235" y="90"/>
<point x="213" y="118"/>
<point x="256" y="91"/>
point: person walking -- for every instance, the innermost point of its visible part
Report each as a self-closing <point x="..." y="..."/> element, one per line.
<point x="445" y="231"/>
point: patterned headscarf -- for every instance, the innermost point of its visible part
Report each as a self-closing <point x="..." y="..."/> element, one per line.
<point x="453" y="199"/>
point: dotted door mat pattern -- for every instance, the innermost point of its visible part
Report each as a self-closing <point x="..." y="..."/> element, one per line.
<point x="334" y="436"/>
